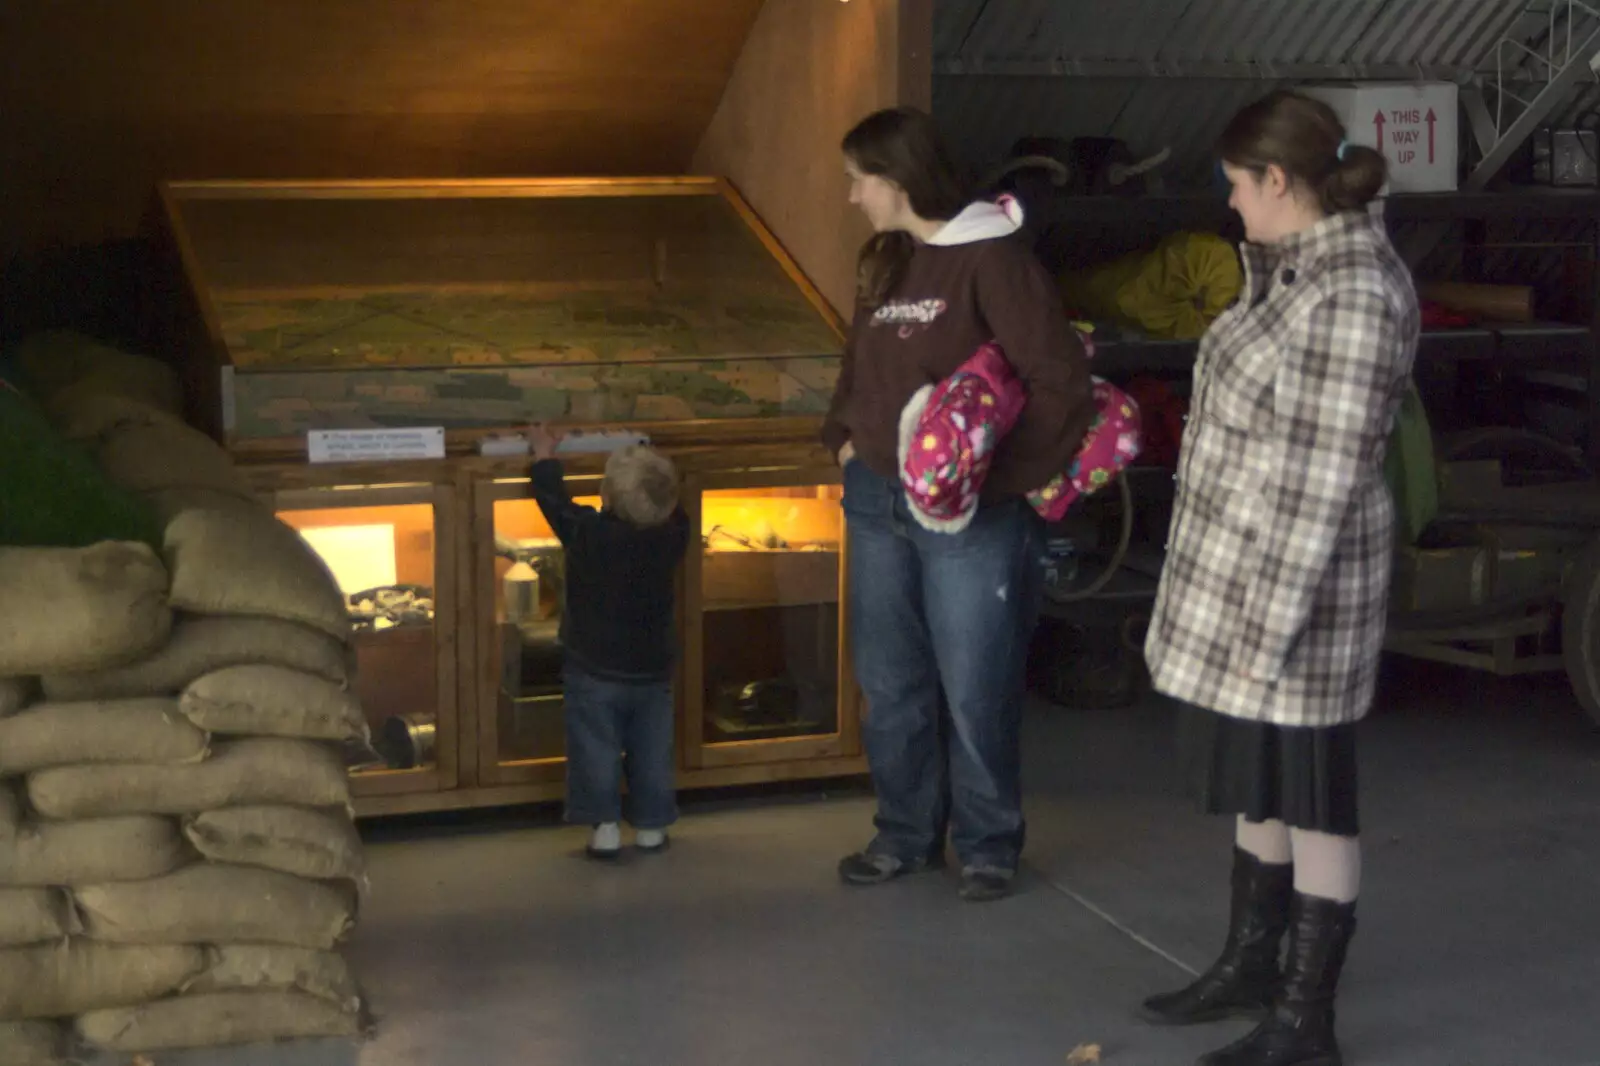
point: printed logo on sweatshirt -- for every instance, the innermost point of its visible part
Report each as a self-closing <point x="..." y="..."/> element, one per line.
<point x="909" y="315"/>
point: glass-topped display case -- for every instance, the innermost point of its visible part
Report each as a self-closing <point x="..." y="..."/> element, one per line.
<point x="390" y="549"/>
<point x="659" y="306"/>
<point x="346" y="305"/>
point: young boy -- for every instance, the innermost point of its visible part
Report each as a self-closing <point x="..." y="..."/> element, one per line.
<point x="618" y="640"/>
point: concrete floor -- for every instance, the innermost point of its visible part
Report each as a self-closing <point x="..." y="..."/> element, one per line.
<point x="496" y="943"/>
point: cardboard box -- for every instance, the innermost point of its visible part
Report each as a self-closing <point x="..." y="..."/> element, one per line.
<point x="1414" y="124"/>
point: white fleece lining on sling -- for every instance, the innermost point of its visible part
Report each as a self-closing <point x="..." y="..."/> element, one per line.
<point x="910" y="416"/>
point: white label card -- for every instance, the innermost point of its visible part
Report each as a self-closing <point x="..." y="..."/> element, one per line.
<point x="374" y="445"/>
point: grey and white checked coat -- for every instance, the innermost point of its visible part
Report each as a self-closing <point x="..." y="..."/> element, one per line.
<point x="1274" y="594"/>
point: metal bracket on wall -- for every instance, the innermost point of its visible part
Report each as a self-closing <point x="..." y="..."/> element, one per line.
<point x="1567" y="58"/>
<point x="1480" y="120"/>
<point x="1565" y="63"/>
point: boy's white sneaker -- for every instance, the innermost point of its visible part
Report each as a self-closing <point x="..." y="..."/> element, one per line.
<point x="651" y="840"/>
<point x="606" y="841"/>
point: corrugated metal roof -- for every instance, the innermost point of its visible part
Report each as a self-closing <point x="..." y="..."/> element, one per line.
<point x="1242" y="47"/>
<point x="1461" y="32"/>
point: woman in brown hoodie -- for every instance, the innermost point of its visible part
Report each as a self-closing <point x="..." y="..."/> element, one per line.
<point x="940" y="622"/>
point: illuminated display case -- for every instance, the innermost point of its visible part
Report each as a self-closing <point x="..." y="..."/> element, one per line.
<point x="763" y="674"/>
<point x="763" y="687"/>
<point x="654" y="305"/>
<point x="391" y="548"/>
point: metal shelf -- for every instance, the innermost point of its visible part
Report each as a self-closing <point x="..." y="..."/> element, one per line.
<point x="1519" y="342"/>
<point x="1210" y="210"/>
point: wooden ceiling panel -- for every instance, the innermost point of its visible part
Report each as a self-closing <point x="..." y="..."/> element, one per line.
<point x="101" y="98"/>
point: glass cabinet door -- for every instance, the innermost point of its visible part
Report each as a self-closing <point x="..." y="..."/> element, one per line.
<point x="764" y="677"/>
<point x="521" y="590"/>
<point x="390" y="549"/>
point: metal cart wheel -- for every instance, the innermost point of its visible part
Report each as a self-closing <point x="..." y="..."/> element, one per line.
<point x="1071" y="588"/>
<point x="1580" y="629"/>
<point x="1091" y="642"/>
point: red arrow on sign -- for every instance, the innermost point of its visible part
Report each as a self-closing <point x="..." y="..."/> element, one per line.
<point x="1432" y="118"/>
<point x="1377" y="120"/>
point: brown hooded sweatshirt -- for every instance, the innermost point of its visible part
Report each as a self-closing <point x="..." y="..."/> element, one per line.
<point x="974" y="281"/>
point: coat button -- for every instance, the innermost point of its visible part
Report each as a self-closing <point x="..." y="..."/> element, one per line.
<point x="1288" y="276"/>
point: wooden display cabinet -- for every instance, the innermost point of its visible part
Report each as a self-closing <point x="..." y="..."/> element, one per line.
<point x="518" y="661"/>
<point x="659" y="305"/>
<point x="764" y="690"/>
<point x="765" y="677"/>
<point x="393" y="549"/>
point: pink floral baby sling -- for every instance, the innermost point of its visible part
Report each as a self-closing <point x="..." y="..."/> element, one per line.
<point x="949" y="431"/>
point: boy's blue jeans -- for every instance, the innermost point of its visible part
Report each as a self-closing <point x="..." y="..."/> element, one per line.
<point x="939" y="629"/>
<point x="616" y="728"/>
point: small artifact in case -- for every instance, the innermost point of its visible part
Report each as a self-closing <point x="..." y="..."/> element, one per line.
<point x="407" y="741"/>
<point x="391" y="606"/>
<point x="768" y="709"/>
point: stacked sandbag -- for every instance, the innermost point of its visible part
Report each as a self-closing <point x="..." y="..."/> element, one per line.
<point x="59" y="366"/>
<point x="165" y="888"/>
<point x="92" y="608"/>
<point x="204" y="766"/>
<point x="49" y="971"/>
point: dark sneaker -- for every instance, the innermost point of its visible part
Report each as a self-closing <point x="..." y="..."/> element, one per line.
<point x="874" y="868"/>
<point x="981" y="884"/>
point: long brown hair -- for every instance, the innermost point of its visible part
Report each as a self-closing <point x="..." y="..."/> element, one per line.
<point x="902" y="145"/>
<point x="1305" y="138"/>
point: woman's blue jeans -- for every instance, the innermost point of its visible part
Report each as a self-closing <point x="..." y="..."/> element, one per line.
<point x="939" y="630"/>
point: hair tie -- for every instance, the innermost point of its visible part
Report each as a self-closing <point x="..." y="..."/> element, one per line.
<point x="1344" y="146"/>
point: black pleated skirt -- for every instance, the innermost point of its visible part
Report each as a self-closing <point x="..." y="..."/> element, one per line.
<point x="1304" y="776"/>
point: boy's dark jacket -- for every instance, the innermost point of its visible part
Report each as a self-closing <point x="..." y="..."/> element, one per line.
<point x="617" y="619"/>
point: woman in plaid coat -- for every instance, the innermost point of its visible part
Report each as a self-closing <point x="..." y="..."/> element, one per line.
<point x="1269" y="621"/>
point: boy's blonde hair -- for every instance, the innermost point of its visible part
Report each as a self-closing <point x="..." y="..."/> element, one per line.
<point x="641" y="485"/>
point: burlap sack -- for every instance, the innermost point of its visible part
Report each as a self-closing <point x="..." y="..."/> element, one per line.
<point x="75" y="609"/>
<point x="15" y="694"/>
<point x="233" y="557"/>
<point x="322" y="845"/>
<point x="215" y="904"/>
<point x="158" y="455"/>
<point x="87" y="414"/>
<point x="92" y="851"/>
<point x="33" y="1043"/>
<point x="260" y="967"/>
<point x="263" y="770"/>
<point x="273" y="701"/>
<point x="200" y="645"/>
<point x="58" y="980"/>
<point x="10" y="811"/>
<point x="56" y="360"/>
<point x="35" y="916"/>
<point x="111" y="731"/>
<point x="215" y="1020"/>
